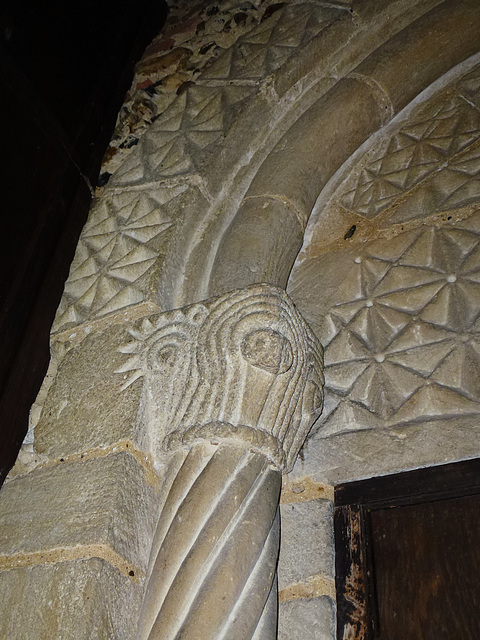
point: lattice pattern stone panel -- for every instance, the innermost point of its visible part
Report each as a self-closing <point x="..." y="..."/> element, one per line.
<point x="433" y="158"/>
<point x="200" y="116"/>
<point x="404" y="344"/>
<point x="122" y="241"/>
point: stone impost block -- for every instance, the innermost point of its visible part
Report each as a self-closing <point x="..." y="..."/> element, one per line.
<point x="81" y="600"/>
<point x="363" y="454"/>
<point x="85" y="407"/>
<point x="309" y="619"/>
<point x="307" y="546"/>
<point x="100" y="507"/>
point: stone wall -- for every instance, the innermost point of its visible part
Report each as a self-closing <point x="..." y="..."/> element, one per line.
<point x="325" y="148"/>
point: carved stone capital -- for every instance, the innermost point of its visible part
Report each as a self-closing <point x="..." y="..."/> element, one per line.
<point x="242" y="366"/>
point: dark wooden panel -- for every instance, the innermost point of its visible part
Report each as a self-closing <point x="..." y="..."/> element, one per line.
<point x="407" y="546"/>
<point x="352" y="577"/>
<point x="427" y="570"/>
<point x="401" y="488"/>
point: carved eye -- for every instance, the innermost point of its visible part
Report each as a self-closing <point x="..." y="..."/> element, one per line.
<point x="162" y="356"/>
<point x="267" y="349"/>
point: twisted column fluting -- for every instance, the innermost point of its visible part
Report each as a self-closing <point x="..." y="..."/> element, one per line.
<point x="236" y="383"/>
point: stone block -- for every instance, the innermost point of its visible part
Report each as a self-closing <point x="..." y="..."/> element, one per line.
<point x="85" y="407"/>
<point x="99" y="502"/>
<point x="363" y="454"/>
<point x="306" y="541"/>
<point x="308" y="619"/>
<point x="82" y="600"/>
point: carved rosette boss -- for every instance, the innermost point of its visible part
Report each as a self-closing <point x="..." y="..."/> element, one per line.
<point x="232" y="387"/>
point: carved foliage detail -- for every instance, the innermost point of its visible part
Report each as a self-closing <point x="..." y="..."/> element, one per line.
<point x="242" y="365"/>
<point x="405" y="345"/>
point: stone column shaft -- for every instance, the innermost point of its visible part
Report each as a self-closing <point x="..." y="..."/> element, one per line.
<point x="236" y="383"/>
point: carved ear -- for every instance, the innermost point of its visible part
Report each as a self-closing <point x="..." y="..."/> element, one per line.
<point x="269" y="350"/>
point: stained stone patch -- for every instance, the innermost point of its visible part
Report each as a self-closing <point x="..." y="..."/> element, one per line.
<point x="83" y="600"/>
<point x="315" y="617"/>
<point x="307" y="541"/>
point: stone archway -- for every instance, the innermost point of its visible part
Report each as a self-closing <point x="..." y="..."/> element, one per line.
<point x="200" y="209"/>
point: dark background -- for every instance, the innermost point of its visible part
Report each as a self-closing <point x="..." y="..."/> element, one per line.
<point x="64" y="71"/>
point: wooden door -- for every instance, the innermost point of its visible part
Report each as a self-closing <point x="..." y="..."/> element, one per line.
<point x="408" y="555"/>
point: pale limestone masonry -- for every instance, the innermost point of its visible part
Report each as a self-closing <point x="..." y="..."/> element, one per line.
<point x="329" y="149"/>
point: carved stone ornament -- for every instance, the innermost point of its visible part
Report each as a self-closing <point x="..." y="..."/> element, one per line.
<point x="242" y="366"/>
<point x="233" y="386"/>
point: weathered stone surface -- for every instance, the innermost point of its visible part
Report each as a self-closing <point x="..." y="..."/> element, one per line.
<point x="236" y="380"/>
<point x="422" y="168"/>
<point x="401" y="328"/>
<point x="310" y="619"/>
<point x="122" y="248"/>
<point x="259" y="247"/>
<point x="215" y="549"/>
<point x="99" y="502"/>
<point x="363" y="454"/>
<point x="85" y="600"/>
<point x="85" y="407"/>
<point x="307" y="546"/>
<point x="414" y="58"/>
<point x="337" y="124"/>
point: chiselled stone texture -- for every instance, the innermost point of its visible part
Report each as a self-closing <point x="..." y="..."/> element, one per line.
<point x="314" y="616"/>
<point x="85" y="407"/>
<point x="102" y="506"/>
<point x="213" y="559"/>
<point x="84" y="600"/>
<point x="307" y="542"/>
<point x="120" y="252"/>
<point x="244" y="365"/>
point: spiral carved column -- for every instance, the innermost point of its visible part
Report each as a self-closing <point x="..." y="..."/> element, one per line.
<point x="237" y="383"/>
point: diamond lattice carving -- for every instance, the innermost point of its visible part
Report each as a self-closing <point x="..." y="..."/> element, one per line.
<point x="420" y="149"/>
<point x="119" y="245"/>
<point x="268" y="45"/>
<point x="175" y="144"/>
<point x="405" y="346"/>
